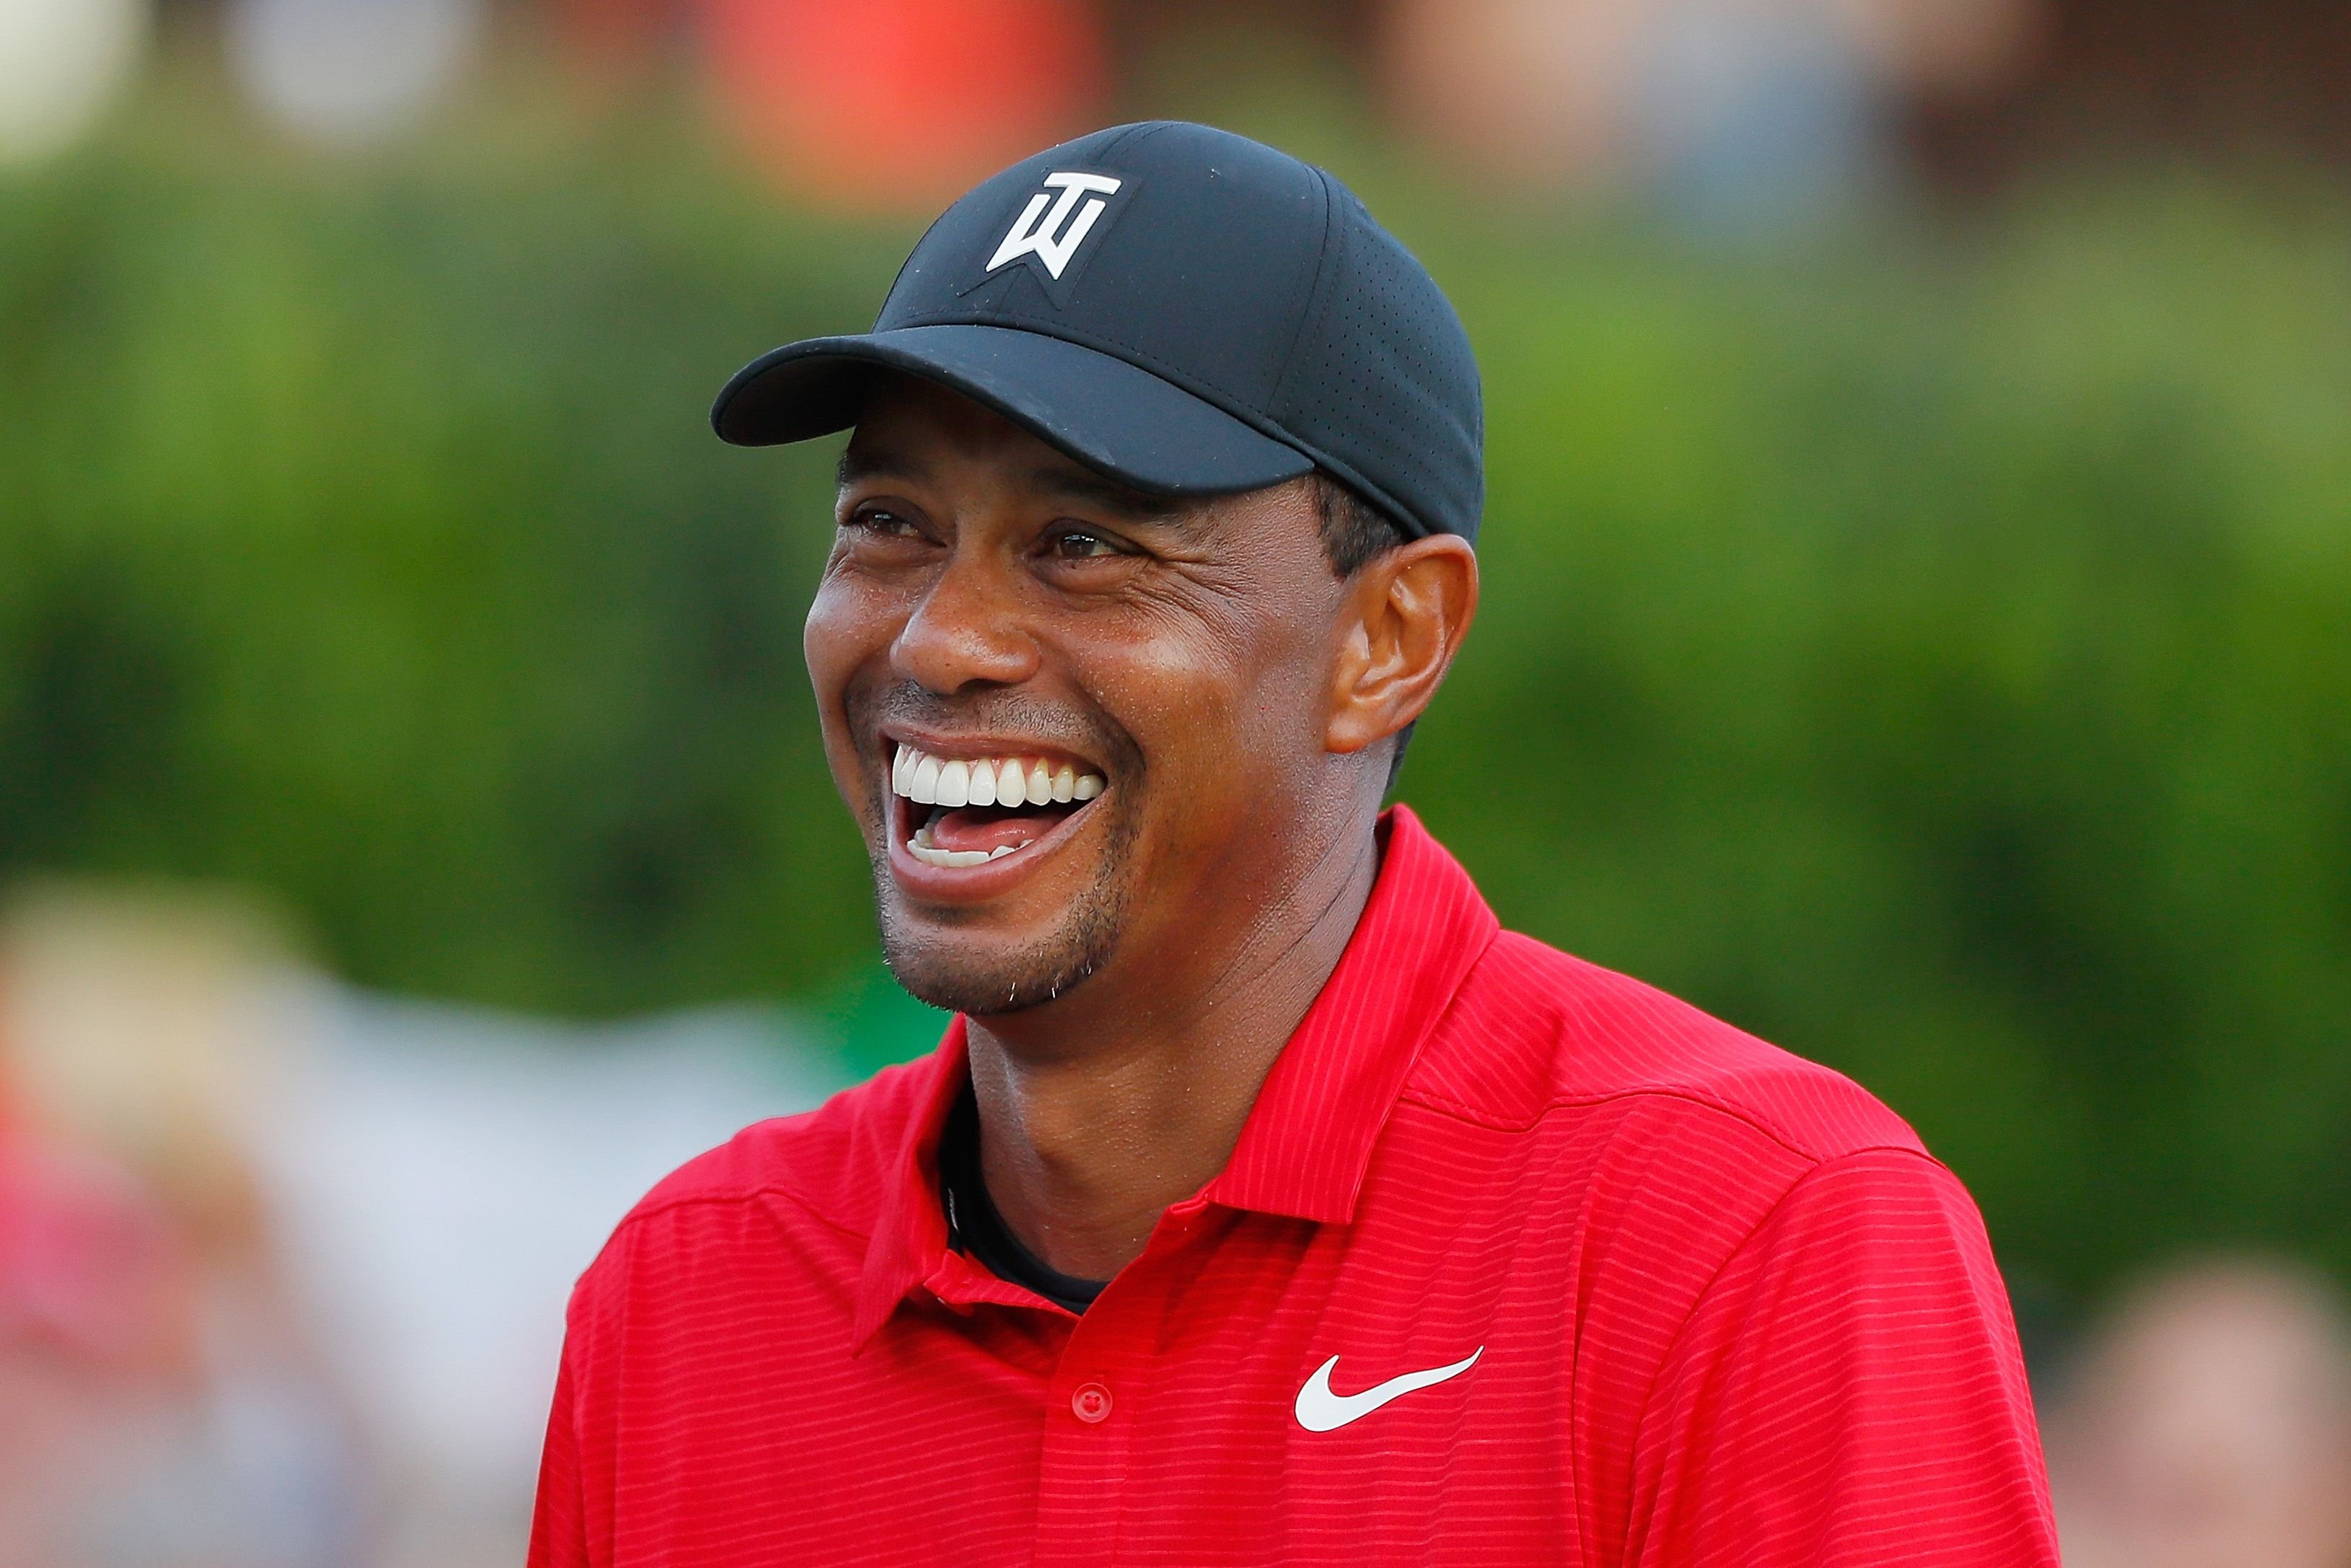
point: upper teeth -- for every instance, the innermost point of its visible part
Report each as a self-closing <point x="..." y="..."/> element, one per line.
<point x="991" y="781"/>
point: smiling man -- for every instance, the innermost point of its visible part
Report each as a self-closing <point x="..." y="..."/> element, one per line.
<point x="1265" y="1202"/>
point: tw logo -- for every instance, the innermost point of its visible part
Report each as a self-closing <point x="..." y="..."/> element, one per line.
<point x="1053" y="238"/>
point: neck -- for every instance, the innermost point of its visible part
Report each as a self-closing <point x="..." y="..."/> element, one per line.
<point x="1098" y="1111"/>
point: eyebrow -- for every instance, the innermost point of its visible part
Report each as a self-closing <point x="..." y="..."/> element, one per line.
<point x="1068" y="483"/>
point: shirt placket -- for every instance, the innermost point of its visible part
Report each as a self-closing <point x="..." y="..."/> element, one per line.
<point x="1097" y="1398"/>
<point x="1090" y="1416"/>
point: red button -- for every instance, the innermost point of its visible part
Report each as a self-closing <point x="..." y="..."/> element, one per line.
<point x="1091" y="1403"/>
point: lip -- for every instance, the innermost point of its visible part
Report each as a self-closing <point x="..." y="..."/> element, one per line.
<point x="991" y="879"/>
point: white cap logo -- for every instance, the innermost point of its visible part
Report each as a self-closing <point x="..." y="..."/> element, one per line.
<point x="1053" y="238"/>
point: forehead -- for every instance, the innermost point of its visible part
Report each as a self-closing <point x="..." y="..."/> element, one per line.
<point x="913" y="429"/>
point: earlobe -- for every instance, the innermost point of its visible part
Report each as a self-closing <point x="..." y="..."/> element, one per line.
<point x="1408" y="614"/>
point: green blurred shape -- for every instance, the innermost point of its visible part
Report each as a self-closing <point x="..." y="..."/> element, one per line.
<point x="873" y="1023"/>
<point x="1931" y="651"/>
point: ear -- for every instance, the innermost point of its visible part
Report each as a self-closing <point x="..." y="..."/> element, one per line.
<point x="1406" y="614"/>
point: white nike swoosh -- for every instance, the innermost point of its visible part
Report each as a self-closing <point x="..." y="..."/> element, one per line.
<point x="1319" y="1410"/>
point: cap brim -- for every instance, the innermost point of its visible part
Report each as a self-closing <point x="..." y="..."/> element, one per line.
<point x="1108" y="414"/>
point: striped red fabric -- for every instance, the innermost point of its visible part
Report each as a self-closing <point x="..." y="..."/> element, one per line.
<point x="1722" y="1306"/>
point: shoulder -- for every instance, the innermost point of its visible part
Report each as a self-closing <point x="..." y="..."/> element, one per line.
<point x="745" y="1254"/>
<point x="1533" y="1030"/>
<point x="829" y="1165"/>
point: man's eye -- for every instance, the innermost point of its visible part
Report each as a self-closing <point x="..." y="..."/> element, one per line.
<point x="1076" y="544"/>
<point x="881" y="520"/>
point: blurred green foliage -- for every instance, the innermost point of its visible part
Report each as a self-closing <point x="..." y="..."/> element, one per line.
<point x="1931" y="651"/>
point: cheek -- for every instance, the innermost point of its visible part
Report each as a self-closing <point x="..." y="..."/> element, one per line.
<point x="1219" y="705"/>
<point x="848" y="625"/>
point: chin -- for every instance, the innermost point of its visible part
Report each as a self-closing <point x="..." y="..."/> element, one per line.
<point x="967" y="963"/>
<point x="1008" y="936"/>
<point x="963" y="966"/>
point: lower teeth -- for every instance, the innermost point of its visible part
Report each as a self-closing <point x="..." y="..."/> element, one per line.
<point x="922" y="850"/>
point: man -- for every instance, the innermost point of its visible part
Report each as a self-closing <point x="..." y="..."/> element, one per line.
<point x="1264" y="1203"/>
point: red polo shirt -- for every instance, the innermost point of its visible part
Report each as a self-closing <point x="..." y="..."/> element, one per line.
<point x="1606" y="1281"/>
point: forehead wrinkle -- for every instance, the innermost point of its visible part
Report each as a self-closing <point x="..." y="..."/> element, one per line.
<point x="1067" y="482"/>
<point x="857" y="467"/>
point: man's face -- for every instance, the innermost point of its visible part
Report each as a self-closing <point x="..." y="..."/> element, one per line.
<point x="992" y="604"/>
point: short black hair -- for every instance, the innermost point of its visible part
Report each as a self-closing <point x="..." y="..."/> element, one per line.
<point x="1355" y="534"/>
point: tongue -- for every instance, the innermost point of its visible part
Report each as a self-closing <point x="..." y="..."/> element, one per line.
<point x="984" y="828"/>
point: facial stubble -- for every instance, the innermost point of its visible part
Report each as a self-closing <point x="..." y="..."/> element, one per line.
<point x="935" y="969"/>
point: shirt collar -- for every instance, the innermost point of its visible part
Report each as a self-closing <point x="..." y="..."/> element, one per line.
<point x="1308" y="1141"/>
<point x="1309" y="1138"/>
<point x="910" y="1232"/>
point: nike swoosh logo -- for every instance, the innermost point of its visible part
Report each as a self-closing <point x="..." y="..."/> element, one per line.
<point x="1319" y="1410"/>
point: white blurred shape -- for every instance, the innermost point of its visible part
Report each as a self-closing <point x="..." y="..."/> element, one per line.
<point x="61" y="64"/>
<point x="442" y="1175"/>
<point x="2209" y="1426"/>
<point x="1741" y="114"/>
<point x="384" y="1204"/>
<point x="1532" y="90"/>
<point x="148" y="1025"/>
<point x="1756" y="117"/>
<point x="346" y="72"/>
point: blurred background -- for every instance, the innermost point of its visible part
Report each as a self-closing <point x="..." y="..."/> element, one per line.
<point x="1917" y="629"/>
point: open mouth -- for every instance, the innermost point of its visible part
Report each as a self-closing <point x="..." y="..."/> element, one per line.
<point x="966" y="811"/>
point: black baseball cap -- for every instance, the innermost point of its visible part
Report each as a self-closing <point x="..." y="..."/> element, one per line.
<point x="1186" y="310"/>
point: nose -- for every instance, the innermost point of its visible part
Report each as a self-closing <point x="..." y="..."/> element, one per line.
<point x="965" y="630"/>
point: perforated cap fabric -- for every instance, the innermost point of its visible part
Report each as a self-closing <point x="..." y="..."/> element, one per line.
<point x="1187" y="310"/>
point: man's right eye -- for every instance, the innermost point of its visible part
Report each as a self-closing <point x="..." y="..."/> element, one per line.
<point x="884" y="535"/>
<point x="882" y="521"/>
